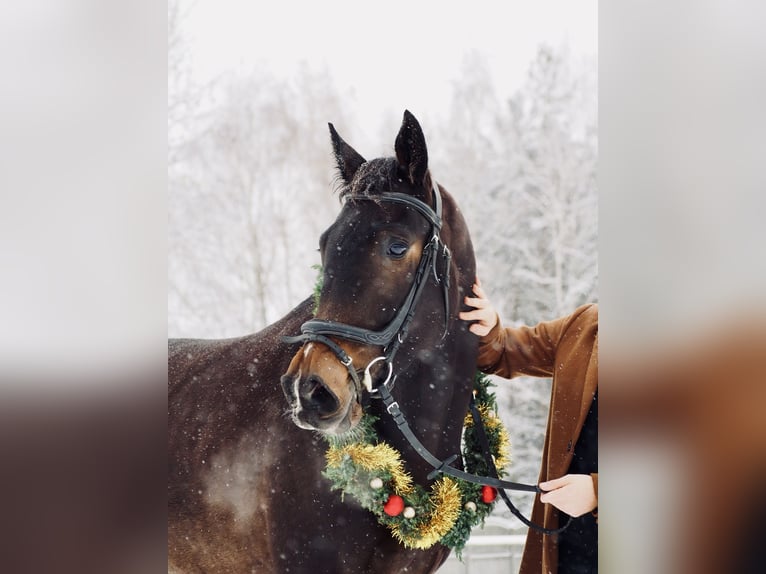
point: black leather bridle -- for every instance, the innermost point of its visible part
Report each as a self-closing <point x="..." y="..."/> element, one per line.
<point x="393" y="335"/>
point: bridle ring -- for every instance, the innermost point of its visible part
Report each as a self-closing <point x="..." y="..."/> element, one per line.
<point x="368" y="377"/>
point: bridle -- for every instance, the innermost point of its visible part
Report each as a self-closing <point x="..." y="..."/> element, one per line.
<point x="393" y="335"/>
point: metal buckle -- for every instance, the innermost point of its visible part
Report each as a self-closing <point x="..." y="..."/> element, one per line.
<point x="392" y="405"/>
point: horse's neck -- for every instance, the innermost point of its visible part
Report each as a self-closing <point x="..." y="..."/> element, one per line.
<point x="433" y="398"/>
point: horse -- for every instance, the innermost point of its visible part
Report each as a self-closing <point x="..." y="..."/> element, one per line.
<point x="248" y="417"/>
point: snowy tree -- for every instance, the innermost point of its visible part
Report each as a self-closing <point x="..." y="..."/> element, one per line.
<point x="551" y="251"/>
<point x="250" y="190"/>
<point x="257" y="196"/>
<point x="524" y="175"/>
<point x="544" y="258"/>
<point x="466" y="149"/>
<point x="185" y="96"/>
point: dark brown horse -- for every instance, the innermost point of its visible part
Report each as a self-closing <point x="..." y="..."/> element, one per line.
<point x="246" y="493"/>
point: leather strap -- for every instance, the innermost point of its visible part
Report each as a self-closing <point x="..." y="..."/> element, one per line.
<point x="484" y="441"/>
<point x="444" y="467"/>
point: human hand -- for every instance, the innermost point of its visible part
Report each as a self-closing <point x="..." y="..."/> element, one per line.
<point x="572" y="493"/>
<point x="484" y="314"/>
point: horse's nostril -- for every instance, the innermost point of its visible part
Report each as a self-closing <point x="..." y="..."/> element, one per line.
<point x="317" y="396"/>
<point x="287" y="388"/>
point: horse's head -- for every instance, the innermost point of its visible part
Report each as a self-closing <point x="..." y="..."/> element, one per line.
<point x="378" y="257"/>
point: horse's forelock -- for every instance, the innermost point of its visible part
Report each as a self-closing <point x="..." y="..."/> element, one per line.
<point x="373" y="178"/>
<point x="378" y="176"/>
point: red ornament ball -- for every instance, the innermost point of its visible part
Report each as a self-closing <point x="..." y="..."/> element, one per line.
<point x="394" y="505"/>
<point x="488" y="494"/>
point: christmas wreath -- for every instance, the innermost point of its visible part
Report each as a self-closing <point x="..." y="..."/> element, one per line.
<point x="370" y="470"/>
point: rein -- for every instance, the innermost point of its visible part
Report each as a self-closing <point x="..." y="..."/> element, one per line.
<point x="393" y="335"/>
<point x="444" y="466"/>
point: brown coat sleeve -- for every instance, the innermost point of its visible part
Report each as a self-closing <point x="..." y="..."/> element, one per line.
<point x="515" y="351"/>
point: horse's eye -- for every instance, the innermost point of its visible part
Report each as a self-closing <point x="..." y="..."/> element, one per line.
<point x="397" y="249"/>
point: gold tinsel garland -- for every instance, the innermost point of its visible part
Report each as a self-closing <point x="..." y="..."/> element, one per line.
<point x="445" y="497"/>
<point x="351" y="465"/>
<point x="378" y="457"/>
<point x="446" y="502"/>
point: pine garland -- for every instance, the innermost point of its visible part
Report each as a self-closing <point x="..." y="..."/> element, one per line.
<point x="371" y="471"/>
<point x="317" y="286"/>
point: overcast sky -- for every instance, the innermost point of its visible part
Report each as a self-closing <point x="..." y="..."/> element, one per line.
<point x="387" y="55"/>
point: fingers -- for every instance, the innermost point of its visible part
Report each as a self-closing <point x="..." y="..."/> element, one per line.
<point x="558" y="498"/>
<point x="555" y="483"/>
<point x="546" y="498"/>
<point x="475" y="315"/>
<point x="482" y="311"/>
<point x="552" y="490"/>
<point x="573" y="494"/>
<point x="564" y="501"/>
<point x="479" y="329"/>
<point x="479" y="303"/>
<point x="484" y="316"/>
<point x="477" y="289"/>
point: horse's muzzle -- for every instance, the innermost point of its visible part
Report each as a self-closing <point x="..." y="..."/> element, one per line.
<point x="315" y="406"/>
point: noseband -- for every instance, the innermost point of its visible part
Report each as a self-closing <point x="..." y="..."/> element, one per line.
<point x="392" y="335"/>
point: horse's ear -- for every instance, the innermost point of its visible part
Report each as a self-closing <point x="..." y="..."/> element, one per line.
<point x="347" y="157"/>
<point x="411" y="150"/>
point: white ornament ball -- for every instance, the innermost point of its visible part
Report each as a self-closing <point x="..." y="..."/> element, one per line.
<point x="409" y="512"/>
<point x="376" y="483"/>
<point x="470" y="506"/>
